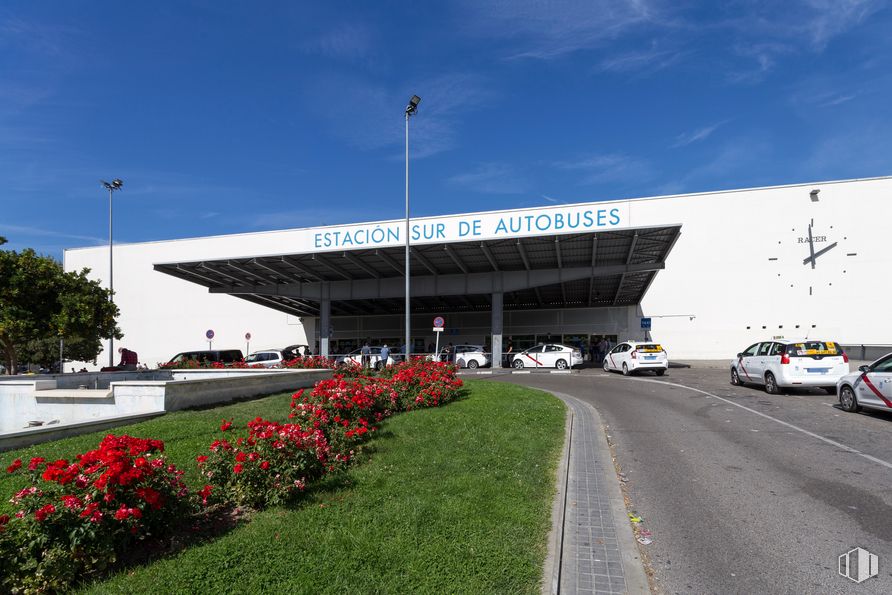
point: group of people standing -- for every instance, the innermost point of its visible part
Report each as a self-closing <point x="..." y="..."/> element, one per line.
<point x="599" y="348"/>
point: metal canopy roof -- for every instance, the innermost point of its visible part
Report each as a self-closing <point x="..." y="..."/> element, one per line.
<point x="605" y="268"/>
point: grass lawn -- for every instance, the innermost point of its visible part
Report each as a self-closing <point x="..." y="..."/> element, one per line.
<point x="455" y="499"/>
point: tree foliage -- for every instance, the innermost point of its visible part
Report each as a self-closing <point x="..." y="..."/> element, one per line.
<point x="41" y="303"/>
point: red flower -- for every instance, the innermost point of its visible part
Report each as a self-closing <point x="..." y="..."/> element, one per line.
<point x="152" y="497"/>
<point x="204" y="493"/>
<point x="264" y="465"/>
<point x="237" y="469"/>
<point x="32" y="466"/>
<point x="72" y="502"/>
<point x="241" y="457"/>
<point x="225" y="425"/>
<point x="201" y="458"/>
<point x="41" y="513"/>
<point x="15" y="466"/>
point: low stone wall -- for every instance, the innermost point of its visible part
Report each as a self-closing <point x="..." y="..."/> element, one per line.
<point x="67" y="411"/>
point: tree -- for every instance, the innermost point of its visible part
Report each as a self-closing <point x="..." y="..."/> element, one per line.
<point x="40" y="303"/>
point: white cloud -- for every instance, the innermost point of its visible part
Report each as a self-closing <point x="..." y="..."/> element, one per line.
<point x="686" y="138"/>
<point x="350" y="42"/>
<point x="20" y="231"/>
<point x="613" y="167"/>
<point x="370" y="115"/>
<point x="552" y="29"/>
<point x="492" y="178"/>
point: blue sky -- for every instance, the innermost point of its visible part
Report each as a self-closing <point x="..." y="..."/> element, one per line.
<point x="228" y="117"/>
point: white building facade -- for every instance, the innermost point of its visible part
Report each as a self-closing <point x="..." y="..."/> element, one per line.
<point x="713" y="271"/>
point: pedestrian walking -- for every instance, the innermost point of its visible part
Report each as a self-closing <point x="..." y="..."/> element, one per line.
<point x="366" y="353"/>
<point x="385" y="353"/>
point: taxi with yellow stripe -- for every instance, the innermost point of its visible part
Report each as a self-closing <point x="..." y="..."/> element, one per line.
<point x="630" y="357"/>
<point x="797" y="363"/>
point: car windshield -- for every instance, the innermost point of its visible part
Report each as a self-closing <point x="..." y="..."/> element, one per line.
<point x="809" y="348"/>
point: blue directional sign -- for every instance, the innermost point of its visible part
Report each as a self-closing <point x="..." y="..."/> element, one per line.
<point x="645" y="324"/>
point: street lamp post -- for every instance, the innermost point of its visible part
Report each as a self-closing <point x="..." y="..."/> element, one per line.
<point x="115" y="184"/>
<point x="411" y="110"/>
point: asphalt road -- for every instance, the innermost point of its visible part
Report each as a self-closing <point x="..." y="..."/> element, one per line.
<point x="744" y="492"/>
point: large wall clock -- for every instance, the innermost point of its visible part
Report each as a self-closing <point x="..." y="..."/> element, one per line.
<point x="815" y="253"/>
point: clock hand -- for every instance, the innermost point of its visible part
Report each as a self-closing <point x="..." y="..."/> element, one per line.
<point x="811" y="247"/>
<point x="815" y="255"/>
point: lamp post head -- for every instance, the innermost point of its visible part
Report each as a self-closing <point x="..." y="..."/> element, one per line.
<point x="115" y="184"/>
<point x="814" y="195"/>
<point x="413" y="105"/>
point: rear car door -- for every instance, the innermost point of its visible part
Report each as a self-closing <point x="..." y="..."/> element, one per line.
<point x="761" y="361"/>
<point x="874" y="387"/>
<point x="552" y="354"/>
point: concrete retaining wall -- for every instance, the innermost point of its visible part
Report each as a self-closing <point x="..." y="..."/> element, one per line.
<point x="68" y="411"/>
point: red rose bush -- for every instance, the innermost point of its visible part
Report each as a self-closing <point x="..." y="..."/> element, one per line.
<point x="266" y="467"/>
<point x="76" y="516"/>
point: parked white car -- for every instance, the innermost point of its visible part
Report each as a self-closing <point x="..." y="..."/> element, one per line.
<point x="869" y="388"/>
<point x="547" y="355"/>
<point x="355" y="357"/>
<point x="464" y="356"/>
<point x="268" y="358"/>
<point x="633" y="356"/>
<point x="782" y="363"/>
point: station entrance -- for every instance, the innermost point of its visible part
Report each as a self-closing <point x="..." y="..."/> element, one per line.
<point x="565" y="288"/>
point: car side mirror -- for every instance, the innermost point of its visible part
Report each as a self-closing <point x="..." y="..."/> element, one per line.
<point x="864" y="368"/>
<point x="739" y="355"/>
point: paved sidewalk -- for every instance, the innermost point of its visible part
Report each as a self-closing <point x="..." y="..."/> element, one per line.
<point x="593" y="549"/>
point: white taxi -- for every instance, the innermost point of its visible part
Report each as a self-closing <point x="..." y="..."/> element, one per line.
<point x="547" y="355"/>
<point x="632" y="356"/>
<point x="870" y="387"/>
<point x="782" y="363"/>
<point x="463" y="356"/>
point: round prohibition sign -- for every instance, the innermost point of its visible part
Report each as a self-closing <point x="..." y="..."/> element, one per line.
<point x="209" y="334"/>
<point x="247" y="336"/>
<point x="439" y="322"/>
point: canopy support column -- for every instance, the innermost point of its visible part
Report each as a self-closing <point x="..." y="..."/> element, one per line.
<point x="497" y="303"/>
<point x="324" y="324"/>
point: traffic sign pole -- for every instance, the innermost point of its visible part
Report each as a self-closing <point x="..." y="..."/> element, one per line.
<point x="439" y="323"/>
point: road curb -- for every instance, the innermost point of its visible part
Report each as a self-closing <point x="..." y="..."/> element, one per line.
<point x="551" y="576"/>
<point x="559" y="571"/>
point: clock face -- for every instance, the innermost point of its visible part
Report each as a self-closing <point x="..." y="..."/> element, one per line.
<point x="812" y="256"/>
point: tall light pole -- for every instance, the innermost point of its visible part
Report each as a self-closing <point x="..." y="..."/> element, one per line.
<point x="411" y="110"/>
<point x="115" y="184"/>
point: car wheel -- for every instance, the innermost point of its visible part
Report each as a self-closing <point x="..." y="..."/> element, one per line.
<point x="379" y="366"/>
<point x="626" y="371"/>
<point x="660" y="372"/>
<point x="460" y="363"/>
<point x="517" y="363"/>
<point x="771" y="384"/>
<point x="735" y="378"/>
<point x="606" y="366"/>
<point x="473" y="364"/>
<point x="561" y="364"/>
<point x="848" y="401"/>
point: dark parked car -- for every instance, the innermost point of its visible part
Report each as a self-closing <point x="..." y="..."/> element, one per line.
<point x="226" y="356"/>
